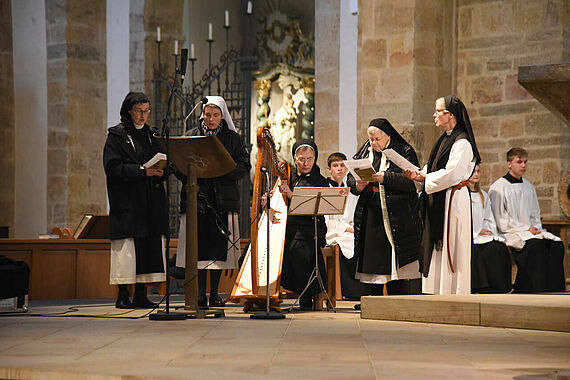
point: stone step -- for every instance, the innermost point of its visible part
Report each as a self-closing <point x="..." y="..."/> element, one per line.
<point x="523" y="311"/>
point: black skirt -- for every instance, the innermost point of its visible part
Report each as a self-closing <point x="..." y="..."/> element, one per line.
<point x="490" y="268"/>
<point x="375" y="256"/>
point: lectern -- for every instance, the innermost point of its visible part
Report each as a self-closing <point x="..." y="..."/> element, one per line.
<point x="197" y="157"/>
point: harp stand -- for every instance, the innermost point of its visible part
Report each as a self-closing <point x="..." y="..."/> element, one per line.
<point x="268" y="313"/>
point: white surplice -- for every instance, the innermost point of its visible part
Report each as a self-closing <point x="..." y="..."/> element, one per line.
<point x="515" y="208"/>
<point x="482" y="217"/>
<point x="337" y="225"/>
<point x="441" y="280"/>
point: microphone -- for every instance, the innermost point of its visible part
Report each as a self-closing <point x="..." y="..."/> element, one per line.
<point x="201" y="102"/>
<point x="183" y="63"/>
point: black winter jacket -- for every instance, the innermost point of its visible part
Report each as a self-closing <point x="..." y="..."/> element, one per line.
<point x="402" y="204"/>
<point x="136" y="202"/>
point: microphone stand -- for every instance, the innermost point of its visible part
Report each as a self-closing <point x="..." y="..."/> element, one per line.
<point x="267" y="314"/>
<point x="166" y="315"/>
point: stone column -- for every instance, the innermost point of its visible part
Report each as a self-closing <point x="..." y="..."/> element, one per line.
<point x="404" y="64"/>
<point x="7" y="148"/>
<point x="327" y="61"/>
<point x="86" y="112"/>
<point x="30" y="117"/>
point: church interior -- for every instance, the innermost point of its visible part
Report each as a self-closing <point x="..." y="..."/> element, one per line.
<point x="317" y="70"/>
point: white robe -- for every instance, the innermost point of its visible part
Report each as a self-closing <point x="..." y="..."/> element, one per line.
<point x="337" y="225"/>
<point x="441" y="280"/>
<point x="233" y="246"/>
<point x="123" y="268"/>
<point x="515" y="208"/>
<point x="482" y="218"/>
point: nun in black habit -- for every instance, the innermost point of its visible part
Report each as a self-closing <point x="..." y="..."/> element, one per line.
<point x="137" y="212"/>
<point x="299" y="250"/>
<point x="387" y="226"/>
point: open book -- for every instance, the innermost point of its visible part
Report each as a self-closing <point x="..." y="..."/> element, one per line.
<point x="157" y="162"/>
<point x="400" y="161"/>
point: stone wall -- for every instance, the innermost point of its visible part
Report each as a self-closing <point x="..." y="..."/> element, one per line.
<point x="86" y="114"/>
<point x="7" y="151"/>
<point x="404" y="64"/>
<point x="137" y="45"/>
<point x="57" y="183"/>
<point x="327" y="22"/>
<point x="494" y="39"/>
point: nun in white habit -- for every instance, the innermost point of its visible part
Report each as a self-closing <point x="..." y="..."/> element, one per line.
<point x="446" y="240"/>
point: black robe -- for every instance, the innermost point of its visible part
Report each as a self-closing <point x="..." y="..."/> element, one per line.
<point x="136" y="202"/>
<point x="299" y="250"/>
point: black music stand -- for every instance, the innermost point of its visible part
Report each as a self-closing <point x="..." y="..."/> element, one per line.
<point x="197" y="157"/>
<point x="317" y="201"/>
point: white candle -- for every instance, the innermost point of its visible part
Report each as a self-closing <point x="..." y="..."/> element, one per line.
<point x="158" y="34"/>
<point x="249" y="7"/>
<point x="210" y="31"/>
<point x="227" y="18"/>
<point x="192" y="56"/>
<point x="175" y="47"/>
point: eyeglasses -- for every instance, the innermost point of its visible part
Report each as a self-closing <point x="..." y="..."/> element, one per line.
<point x="305" y="160"/>
<point x="141" y="112"/>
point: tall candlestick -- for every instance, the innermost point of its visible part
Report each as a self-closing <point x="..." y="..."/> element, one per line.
<point x="158" y="34"/>
<point x="249" y="8"/>
<point x="210" y="38"/>
<point x="175" y="47"/>
<point x="227" y="18"/>
<point x="192" y="54"/>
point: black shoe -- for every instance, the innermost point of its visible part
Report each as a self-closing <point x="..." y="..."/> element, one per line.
<point x="306" y="304"/>
<point x="202" y="302"/>
<point x="357" y="306"/>
<point x="124" y="302"/>
<point x="216" y="301"/>
<point x="141" y="302"/>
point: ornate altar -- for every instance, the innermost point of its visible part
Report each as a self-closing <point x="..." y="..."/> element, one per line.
<point x="284" y="87"/>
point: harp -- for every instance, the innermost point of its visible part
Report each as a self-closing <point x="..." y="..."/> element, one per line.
<point x="251" y="285"/>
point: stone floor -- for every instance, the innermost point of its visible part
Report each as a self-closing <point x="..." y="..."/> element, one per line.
<point x="93" y="340"/>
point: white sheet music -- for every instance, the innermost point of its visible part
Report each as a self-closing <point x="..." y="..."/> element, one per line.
<point x="400" y="161"/>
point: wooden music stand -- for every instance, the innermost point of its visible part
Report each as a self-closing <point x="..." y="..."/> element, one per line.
<point x="197" y="157"/>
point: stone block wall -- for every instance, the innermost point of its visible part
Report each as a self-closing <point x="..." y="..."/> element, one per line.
<point x="494" y="39"/>
<point x="57" y="182"/>
<point x="7" y="151"/>
<point x="327" y="60"/>
<point x="404" y="64"/>
<point x="86" y="114"/>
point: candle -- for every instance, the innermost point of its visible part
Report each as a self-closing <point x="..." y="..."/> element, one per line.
<point x="158" y="34"/>
<point x="192" y="55"/>
<point x="249" y="6"/>
<point x="175" y="47"/>
<point x="227" y="18"/>
<point x="210" y="31"/>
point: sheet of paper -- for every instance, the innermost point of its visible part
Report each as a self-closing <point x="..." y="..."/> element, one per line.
<point x="400" y="161"/>
<point x="360" y="169"/>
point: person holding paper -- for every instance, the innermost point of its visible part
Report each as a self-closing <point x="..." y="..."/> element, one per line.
<point x="490" y="259"/>
<point x="299" y="249"/>
<point x="446" y="206"/>
<point x="387" y="223"/>
<point x="137" y="212"/>
<point x="218" y="205"/>
<point x="538" y="254"/>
